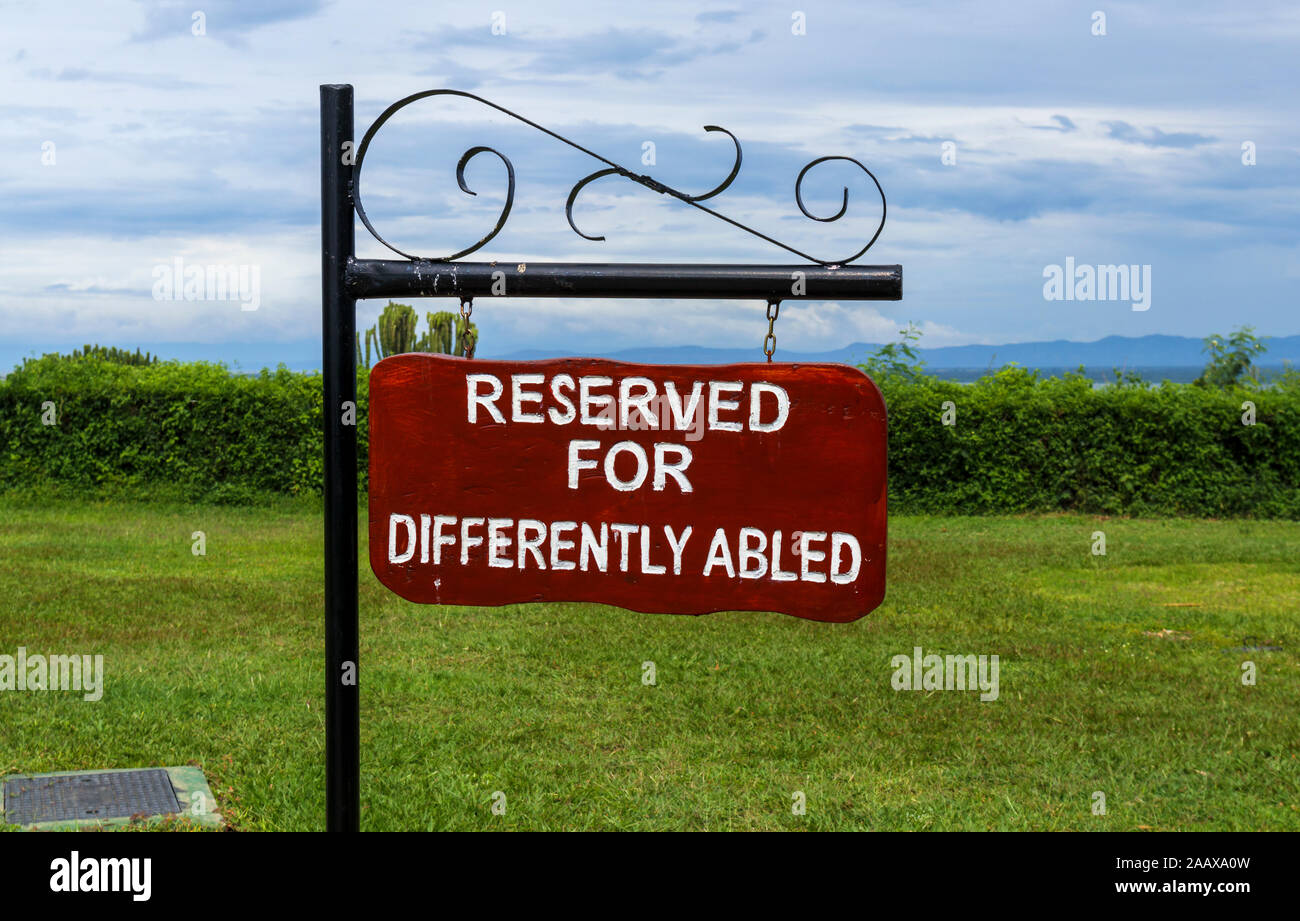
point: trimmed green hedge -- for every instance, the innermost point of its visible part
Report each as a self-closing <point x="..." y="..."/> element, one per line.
<point x="195" y="426"/>
<point x="1018" y="444"/>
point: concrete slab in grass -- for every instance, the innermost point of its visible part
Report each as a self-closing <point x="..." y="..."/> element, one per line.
<point x="174" y="797"/>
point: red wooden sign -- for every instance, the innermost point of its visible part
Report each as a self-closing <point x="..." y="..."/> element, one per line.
<point x="675" y="489"/>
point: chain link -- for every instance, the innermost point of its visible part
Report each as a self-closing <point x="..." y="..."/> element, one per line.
<point x="769" y="341"/>
<point x="470" y="340"/>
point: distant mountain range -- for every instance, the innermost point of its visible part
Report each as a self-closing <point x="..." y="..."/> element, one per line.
<point x="1177" y="358"/>
<point x="1133" y="353"/>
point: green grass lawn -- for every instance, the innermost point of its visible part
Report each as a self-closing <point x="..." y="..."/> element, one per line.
<point x="1119" y="674"/>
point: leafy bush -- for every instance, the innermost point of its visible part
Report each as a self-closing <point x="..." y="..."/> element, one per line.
<point x="193" y="425"/>
<point x="1020" y="443"/>
<point x="1231" y="358"/>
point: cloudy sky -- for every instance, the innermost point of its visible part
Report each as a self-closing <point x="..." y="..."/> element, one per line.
<point x="134" y="142"/>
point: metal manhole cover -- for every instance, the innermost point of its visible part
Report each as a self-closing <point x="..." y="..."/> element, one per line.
<point x="100" y="795"/>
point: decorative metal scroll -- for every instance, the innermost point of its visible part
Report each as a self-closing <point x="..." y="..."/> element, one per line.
<point x="612" y="169"/>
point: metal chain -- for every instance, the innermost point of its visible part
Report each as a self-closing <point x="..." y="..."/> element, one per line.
<point x="466" y="311"/>
<point x="769" y="341"/>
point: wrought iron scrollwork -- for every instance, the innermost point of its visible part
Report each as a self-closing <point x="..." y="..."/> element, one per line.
<point x="611" y="169"/>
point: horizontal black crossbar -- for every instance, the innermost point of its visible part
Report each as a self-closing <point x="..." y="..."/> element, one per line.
<point x="377" y="278"/>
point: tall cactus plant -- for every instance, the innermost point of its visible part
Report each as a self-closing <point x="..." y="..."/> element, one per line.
<point x="397" y="329"/>
<point x="439" y="338"/>
<point x="448" y="334"/>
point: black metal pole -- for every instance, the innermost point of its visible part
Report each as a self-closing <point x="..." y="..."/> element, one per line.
<point x="339" y="368"/>
<point x="396" y="278"/>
